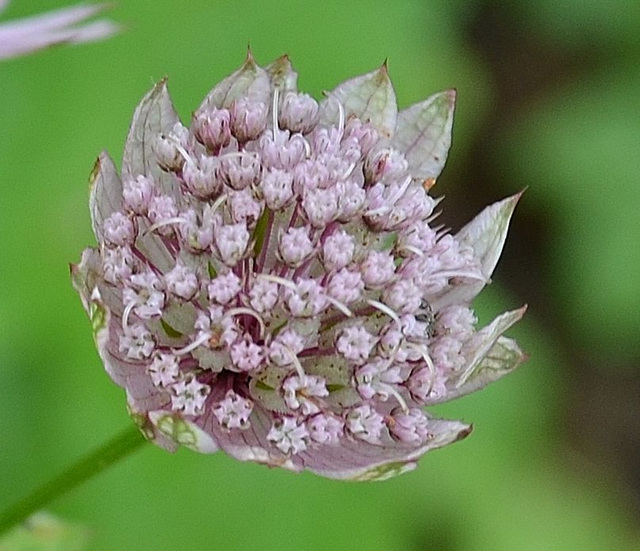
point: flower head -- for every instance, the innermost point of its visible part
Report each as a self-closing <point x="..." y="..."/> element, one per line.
<point x="53" y="28"/>
<point x="268" y="282"/>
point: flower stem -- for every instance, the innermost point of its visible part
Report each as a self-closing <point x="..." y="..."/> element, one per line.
<point x="118" y="447"/>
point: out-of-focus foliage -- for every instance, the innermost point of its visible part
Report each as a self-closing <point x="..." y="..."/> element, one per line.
<point x="515" y="483"/>
<point x="580" y="153"/>
<point x="44" y="532"/>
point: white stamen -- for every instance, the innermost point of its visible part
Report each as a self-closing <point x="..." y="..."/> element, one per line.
<point x="432" y="218"/>
<point x="295" y="361"/>
<point x="167" y="222"/>
<point x="201" y="340"/>
<point x="125" y="315"/>
<point x="422" y="350"/>
<point x="180" y="149"/>
<point x="330" y="97"/>
<point x="218" y="203"/>
<point x="441" y="230"/>
<point x="348" y="172"/>
<point x="248" y="312"/>
<point x="411" y="249"/>
<point x="183" y="152"/>
<point x="307" y="147"/>
<point x="342" y="307"/>
<point x="375" y="212"/>
<point x="281" y="280"/>
<point x="391" y="201"/>
<point x="402" y="189"/>
<point x="386" y="310"/>
<point x="340" y="117"/>
<point x="461" y="273"/>
<point x="274" y="110"/>
<point x="395" y="394"/>
<point x="231" y="154"/>
<point x="393" y="353"/>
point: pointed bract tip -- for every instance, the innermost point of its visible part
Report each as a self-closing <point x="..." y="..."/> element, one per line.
<point x="281" y="65"/>
<point x="446" y="98"/>
<point x="381" y="76"/>
<point x="249" y="60"/>
<point x="519" y="312"/>
<point x="464" y="433"/>
<point x="515" y="198"/>
<point x="384" y="68"/>
<point x="159" y="85"/>
<point x="95" y="170"/>
<point x="428" y="183"/>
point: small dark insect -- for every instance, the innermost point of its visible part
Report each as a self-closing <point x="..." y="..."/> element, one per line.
<point x="425" y="315"/>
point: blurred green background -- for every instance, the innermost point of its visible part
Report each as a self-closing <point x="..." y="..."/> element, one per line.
<point x="547" y="99"/>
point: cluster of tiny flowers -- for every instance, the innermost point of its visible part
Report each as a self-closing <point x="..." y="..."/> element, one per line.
<point x="273" y="276"/>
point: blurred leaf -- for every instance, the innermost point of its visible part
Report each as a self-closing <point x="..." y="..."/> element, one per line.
<point x="44" y="532"/>
<point x="578" y="152"/>
<point x="611" y="25"/>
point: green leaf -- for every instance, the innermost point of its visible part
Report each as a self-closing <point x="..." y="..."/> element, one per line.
<point x="178" y="319"/>
<point x="263" y="386"/>
<point x="44" y="532"/>
<point x="211" y="270"/>
<point x="170" y="331"/>
<point x="260" y="232"/>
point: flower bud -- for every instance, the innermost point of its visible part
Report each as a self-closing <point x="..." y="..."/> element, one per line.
<point x="298" y="112"/>
<point x="212" y="129"/>
<point x="248" y="119"/>
<point x="167" y="148"/>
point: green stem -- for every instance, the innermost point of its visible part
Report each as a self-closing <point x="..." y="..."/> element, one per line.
<point x="118" y="447"/>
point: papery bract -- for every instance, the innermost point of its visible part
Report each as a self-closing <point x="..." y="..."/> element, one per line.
<point x="267" y="282"/>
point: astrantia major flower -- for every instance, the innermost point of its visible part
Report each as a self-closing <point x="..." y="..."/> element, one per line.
<point x="269" y="280"/>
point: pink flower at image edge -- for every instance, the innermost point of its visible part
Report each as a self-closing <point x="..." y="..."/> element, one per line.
<point x="62" y="26"/>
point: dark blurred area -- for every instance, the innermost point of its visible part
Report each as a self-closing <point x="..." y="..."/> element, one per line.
<point x="601" y="417"/>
